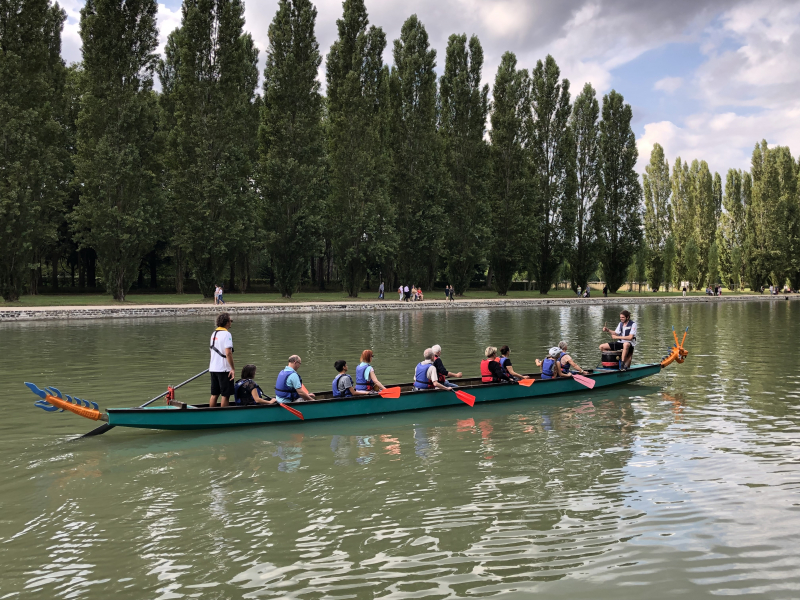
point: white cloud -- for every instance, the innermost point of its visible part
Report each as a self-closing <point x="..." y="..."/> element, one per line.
<point x="668" y="84"/>
<point x="168" y="21"/>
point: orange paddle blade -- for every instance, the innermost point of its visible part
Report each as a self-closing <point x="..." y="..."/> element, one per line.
<point x="294" y="411"/>
<point x="465" y="397"/>
<point x="527" y="382"/>
<point x="589" y="383"/>
<point x="303" y="387"/>
<point x="392" y="392"/>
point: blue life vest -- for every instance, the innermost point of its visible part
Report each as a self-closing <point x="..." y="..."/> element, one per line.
<point x="547" y="367"/>
<point x="362" y="383"/>
<point x="421" y="381"/>
<point x="335" y="386"/>
<point x="503" y="360"/>
<point x="241" y="396"/>
<point x="282" y="390"/>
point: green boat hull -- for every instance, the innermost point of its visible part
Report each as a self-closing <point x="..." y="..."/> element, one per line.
<point x="203" y="417"/>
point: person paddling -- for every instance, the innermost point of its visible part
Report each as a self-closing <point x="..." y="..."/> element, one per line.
<point x="221" y="364"/>
<point x="551" y="366"/>
<point x="289" y="385"/>
<point x="505" y="363"/>
<point x="441" y="371"/>
<point x="342" y="384"/>
<point x="426" y="377"/>
<point x="366" y="380"/>
<point x="566" y="360"/>
<point x="247" y="391"/>
<point x="624" y="337"/>
<point x="491" y="371"/>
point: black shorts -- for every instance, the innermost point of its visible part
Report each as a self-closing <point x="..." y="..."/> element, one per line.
<point x="221" y="384"/>
<point x="620" y="345"/>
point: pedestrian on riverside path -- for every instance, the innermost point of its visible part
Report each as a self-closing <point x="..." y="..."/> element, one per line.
<point x="406" y="293"/>
<point x="380" y="291"/>
<point x="221" y="365"/>
<point x="605" y="291"/>
<point x="400" y="293"/>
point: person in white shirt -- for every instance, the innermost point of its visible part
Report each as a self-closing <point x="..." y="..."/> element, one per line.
<point x="221" y="365"/>
<point x="624" y="337"/>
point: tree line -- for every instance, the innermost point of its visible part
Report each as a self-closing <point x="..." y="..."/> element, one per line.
<point x="395" y="171"/>
<point x="701" y="232"/>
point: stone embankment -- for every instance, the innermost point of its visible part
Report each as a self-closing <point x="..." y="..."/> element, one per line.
<point x="204" y="310"/>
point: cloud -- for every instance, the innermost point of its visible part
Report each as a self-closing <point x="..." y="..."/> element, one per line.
<point x="668" y="84"/>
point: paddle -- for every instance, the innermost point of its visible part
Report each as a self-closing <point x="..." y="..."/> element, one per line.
<point x="294" y="411"/>
<point x="589" y="383"/>
<point x="103" y="428"/>
<point x="466" y="398"/>
<point x="527" y="381"/>
<point x="392" y="392"/>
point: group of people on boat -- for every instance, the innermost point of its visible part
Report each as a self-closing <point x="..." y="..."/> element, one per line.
<point x="428" y="374"/>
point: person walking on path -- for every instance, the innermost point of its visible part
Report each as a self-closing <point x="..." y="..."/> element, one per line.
<point x="684" y="290"/>
<point x="221" y="365"/>
<point x="400" y="294"/>
<point x="289" y="386"/>
<point x="219" y="296"/>
<point x="380" y="291"/>
<point x="406" y="293"/>
<point x="216" y="294"/>
<point x="605" y="291"/>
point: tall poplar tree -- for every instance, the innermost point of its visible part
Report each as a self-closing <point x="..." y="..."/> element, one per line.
<point x="657" y="216"/>
<point x="730" y="232"/>
<point x="212" y="146"/>
<point x="585" y="134"/>
<point x="33" y="164"/>
<point x="416" y="156"/>
<point x="619" y="213"/>
<point x="510" y="184"/>
<point x="552" y="155"/>
<point x="464" y="108"/>
<point x="117" y="162"/>
<point x="682" y="217"/>
<point x="705" y="218"/>
<point x="292" y="168"/>
<point x="362" y="218"/>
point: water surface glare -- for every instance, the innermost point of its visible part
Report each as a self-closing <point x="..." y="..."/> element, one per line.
<point x="685" y="483"/>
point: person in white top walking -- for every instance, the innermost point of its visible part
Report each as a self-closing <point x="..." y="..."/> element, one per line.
<point x="221" y="365"/>
<point x="624" y="337"/>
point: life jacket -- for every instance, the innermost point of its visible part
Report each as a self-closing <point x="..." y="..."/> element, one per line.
<point x="626" y="330"/>
<point x="213" y="346"/>
<point x="243" y="391"/>
<point x="335" y="386"/>
<point x="486" y="374"/>
<point x="421" y="381"/>
<point x="362" y="383"/>
<point x="548" y="365"/>
<point x="282" y="390"/>
<point x="502" y="361"/>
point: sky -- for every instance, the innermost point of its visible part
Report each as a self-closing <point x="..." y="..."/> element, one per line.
<point x="707" y="79"/>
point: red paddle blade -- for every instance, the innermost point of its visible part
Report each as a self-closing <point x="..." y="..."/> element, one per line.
<point x="465" y="397"/>
<point x="303" y="388"/>
<point x="392" y="392"/>
<point x="294" y="411"/>
<point x="527" y="382"/>
<point x="589" y="383"/>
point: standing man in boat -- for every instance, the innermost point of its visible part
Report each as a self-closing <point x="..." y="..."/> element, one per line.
<point x="289" y="386"/>
<point x="624" y="337"/>
<point x="221" y="366"/>
<point x="426" y="377"/>
<point x="441" y="371"/>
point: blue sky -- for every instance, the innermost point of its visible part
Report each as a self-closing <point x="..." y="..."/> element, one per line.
<point x="707" y="79"/>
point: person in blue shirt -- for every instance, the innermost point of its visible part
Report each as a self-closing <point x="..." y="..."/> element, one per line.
<point x="366" y="380"/>
<point x="289" y="386"/>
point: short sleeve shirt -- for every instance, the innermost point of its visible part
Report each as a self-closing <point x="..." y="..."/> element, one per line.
<point x="345" y="383"/>
<point x="293" y="380"/>
<point x="431" y="373"/>
<point x="224" y="340"/>
<point x="633" y="332"/>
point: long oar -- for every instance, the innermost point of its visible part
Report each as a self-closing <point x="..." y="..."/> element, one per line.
<point x="103" y="428"/>
<point x="294" y="411"/>
<point x="589" y="383"/>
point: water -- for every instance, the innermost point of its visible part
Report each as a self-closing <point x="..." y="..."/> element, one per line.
<point x="686" y="483"/>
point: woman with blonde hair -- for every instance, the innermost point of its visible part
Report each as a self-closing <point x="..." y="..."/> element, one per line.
<point x="366" y="380"/>
<point x="491" y="371"/>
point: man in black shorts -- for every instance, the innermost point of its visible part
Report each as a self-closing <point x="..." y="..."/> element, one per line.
<point x="624" y="337"/>
<point x="221" y="365"/>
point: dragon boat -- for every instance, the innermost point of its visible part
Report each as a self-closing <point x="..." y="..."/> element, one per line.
<point x="176" y="415"/>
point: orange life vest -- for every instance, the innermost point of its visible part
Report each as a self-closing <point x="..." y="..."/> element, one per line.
<point x="486" y="374"/>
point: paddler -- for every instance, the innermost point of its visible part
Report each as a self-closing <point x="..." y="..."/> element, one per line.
<point x="289" y="385"/>
<point x="624" y="337"/>
<point x="426" y="377"/>
<point x="366" y="380"/>
<point x="567" y="362"/>
<point x="491" y="372"/>
<point x="441" y="371"/>
<point x="221" y="365"/>
<point x="551" y="366"/>
<point x="505" y="363"/>
<point x="247" y="391"/>
<point x="342" y="385"/>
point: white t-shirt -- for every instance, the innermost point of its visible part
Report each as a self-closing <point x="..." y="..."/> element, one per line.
<point x="618" y="331"/>
<point x="219" y="363"/>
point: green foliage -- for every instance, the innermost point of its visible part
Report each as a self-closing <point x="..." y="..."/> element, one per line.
<point x="33" y="161"/>
<point x="657" y="216"/>
<point x="209" y="78"/>
<point x="292" y="167"/>
<point x="683" y="218"/>
<point x="730" y="232"/>
<point x="619" y="202"/>
<point x="416" y="156"/>
<point x="362" y="218"/>
<point x="713" y="265"/>
<point x="691" y="255"/>
<point x="510" y="183"/>
<point x="552" y="150"/>
<point x="705" y="217"/>
<point x="117" y="161"/>
<point x="464" y="107"/>
<point x="585" y="133"/>
<point x="669" y="262"/>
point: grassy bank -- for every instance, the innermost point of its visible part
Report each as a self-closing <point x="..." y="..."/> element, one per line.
<point x="149" y="299"/>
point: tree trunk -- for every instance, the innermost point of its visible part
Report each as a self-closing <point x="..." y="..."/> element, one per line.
<point x="55" y="272"/>
<point x="179" y="271"/>
<point x="91" y="268"/>
<point x="153" y="262"/>
<point x="232" y="277"/>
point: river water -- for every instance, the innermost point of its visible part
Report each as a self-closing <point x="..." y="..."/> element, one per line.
<point x="685" y="483"/>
